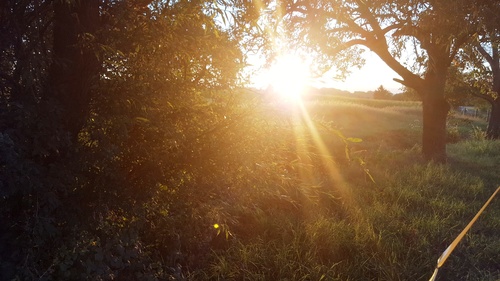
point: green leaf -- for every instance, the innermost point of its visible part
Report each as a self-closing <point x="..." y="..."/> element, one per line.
<point x="354" y="140"/>
<point x="142" y="119"/>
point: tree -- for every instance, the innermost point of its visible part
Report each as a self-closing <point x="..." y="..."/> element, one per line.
<point x="106" y="108"/>
<point x="407" y="94"/>
<point x="427" y="33"/>
<point x="382" y="93"/>
<point x="458" y="90"/>
<point x="483" y="56"/>
<point x="75" y="67"/>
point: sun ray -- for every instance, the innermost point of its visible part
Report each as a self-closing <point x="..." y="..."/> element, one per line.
<point x="340" y="184"/>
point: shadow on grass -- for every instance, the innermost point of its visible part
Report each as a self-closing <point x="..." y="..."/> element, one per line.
<point x="480" y="158"/>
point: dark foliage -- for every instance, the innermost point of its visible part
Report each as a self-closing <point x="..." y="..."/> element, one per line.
<point x="109" y="126"/>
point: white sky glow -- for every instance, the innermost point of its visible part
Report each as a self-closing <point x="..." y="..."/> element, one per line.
<point x="373" y="74"/>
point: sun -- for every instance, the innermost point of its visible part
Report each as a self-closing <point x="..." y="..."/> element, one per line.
<point x="289" y="77"/>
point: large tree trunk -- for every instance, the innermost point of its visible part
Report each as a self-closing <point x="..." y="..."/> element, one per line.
<point x="431" y="89"/>
<point x="435" y="111"/>
<point x="493" y="130"/>
<point x="75" y="68"/>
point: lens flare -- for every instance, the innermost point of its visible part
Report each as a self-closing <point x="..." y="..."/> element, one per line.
<point x="289" y="78"/>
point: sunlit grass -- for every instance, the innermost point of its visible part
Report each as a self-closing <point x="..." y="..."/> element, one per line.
<point x="357" y="119"/>
<point x="332" y="223"/>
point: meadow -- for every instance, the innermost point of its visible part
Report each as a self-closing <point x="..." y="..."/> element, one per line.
<point x="240" y="187"/>
<point x="336" y="189"/>
<point x="130" y="148"/>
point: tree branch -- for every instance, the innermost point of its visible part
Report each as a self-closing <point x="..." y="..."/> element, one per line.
<point x="413" y="31"/>
<point x="391" y="27"/>
<point x="486" y="97"/>
<point x="458" y="43"/>
<point x="485" y="54"/>
<point x="409" y="78"/>
<point x="356" y="28"/>
<point x="364" y="10"/>
<point x="346" y="45"/>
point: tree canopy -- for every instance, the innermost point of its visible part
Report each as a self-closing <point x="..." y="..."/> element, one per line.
<point x="106" y="109"/>
<point x="125" y="134"/>
<point x="382" y="93"/>
<point x="417" y="39"/>
<point x="481" y="60"/>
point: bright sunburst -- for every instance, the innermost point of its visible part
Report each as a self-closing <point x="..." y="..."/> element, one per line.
<point x="288" y="77"/>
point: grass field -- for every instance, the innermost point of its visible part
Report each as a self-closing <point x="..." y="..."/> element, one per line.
<point x="371" y="210"/>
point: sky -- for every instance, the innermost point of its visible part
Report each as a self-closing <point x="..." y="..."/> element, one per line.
<point x="371" y="76"/>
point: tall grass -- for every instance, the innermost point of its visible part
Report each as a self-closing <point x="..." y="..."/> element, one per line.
<point x="374" y="103"/>
<point x="320" y="226"/>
